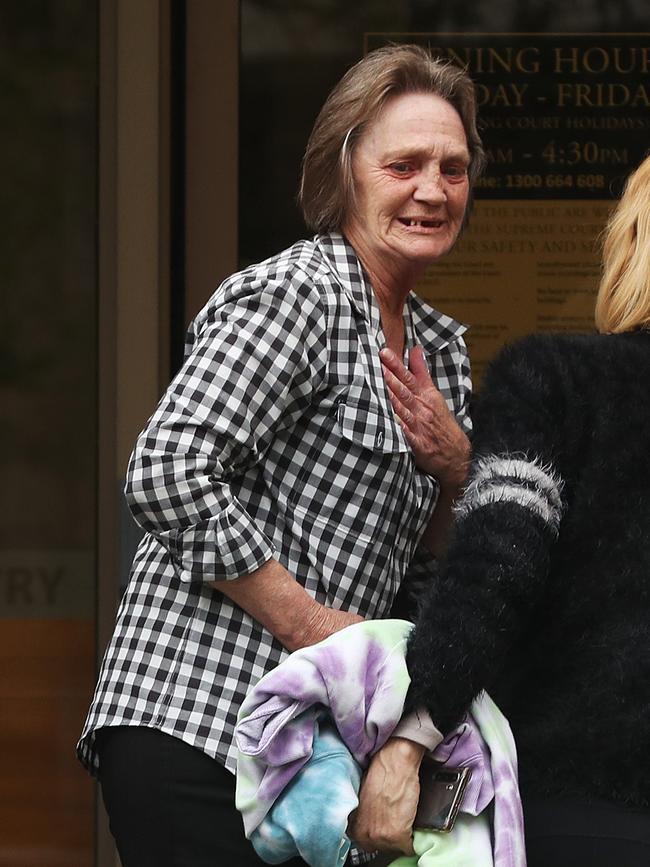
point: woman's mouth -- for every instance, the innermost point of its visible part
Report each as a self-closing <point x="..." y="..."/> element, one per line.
<point x="420" y="223"/>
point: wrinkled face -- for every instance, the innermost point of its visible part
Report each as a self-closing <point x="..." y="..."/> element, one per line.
<point x="410" y="174"/>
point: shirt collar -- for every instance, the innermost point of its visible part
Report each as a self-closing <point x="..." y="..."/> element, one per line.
<point x="434" y="330"/>
<point x="343" y="260"/>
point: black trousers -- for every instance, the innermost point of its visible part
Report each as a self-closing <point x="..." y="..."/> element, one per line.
<point x="169" y="804"/>
<point x="574" y="833"/>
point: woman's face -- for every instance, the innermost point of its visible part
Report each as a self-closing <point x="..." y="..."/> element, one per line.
<point x="410" y="174"/>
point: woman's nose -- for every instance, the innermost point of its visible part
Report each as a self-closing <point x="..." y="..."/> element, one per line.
<point x="430" y="187"/>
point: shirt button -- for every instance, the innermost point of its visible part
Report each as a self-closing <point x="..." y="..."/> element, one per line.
<point x="379" y="439"/>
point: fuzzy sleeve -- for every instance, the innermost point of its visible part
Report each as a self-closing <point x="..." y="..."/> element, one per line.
<point x="507" y="521"/>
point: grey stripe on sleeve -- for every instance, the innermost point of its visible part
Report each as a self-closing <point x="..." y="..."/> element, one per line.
<point x="514" y="479"/>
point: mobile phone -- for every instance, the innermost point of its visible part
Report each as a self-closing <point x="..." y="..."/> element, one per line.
<point x="441" y="794"/>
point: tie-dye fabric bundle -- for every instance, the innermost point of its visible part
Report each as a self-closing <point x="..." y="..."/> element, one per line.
<point x="310" y="726"/>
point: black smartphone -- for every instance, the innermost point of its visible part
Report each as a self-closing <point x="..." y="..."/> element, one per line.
<point x="441" y="794"/>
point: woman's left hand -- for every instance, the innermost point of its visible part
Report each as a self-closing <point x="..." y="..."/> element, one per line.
<point x="440" y="446"/>
<point x="388" y="798"/>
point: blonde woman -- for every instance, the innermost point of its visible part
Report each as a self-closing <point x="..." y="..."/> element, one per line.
<point x="544" y="598"/>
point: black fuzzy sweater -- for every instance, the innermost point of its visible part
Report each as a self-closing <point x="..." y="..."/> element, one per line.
<point x="544" y="596"/>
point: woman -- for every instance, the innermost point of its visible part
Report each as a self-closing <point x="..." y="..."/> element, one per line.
<point x="280" y="497"/>
<point x="544" y="597"/>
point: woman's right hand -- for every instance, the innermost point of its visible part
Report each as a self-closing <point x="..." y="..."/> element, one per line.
<point x="388" y="798"/>
<point x="440" y="446"/>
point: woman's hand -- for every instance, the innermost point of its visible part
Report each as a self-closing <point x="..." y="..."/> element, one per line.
<point x="440" y="447"/>
<point x="388" y="798"/>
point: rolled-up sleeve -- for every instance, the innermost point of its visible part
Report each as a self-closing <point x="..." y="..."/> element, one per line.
<point x="255" y="357"/>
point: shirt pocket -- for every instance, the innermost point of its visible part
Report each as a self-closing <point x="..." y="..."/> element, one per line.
<point x="361" y="420"/>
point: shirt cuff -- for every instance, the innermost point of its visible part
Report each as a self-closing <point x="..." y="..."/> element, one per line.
<point x="418" y="727"/>
<point x="221" y="548"/>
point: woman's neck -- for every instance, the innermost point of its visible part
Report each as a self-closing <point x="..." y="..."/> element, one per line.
<point x="391" y="284"/>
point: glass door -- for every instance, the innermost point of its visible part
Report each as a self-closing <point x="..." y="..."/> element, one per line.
<point x="48" y="392"/>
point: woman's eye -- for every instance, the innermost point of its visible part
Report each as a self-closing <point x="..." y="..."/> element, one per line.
<point x="455" y="171"/>
<point x="401" y="168"/>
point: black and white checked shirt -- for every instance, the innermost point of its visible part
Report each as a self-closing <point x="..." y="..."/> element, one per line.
<point x="275" y="439"/>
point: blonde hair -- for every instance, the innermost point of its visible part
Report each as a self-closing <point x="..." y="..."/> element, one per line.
<point x="623" y="302"/>
<point x="327" y="184"/>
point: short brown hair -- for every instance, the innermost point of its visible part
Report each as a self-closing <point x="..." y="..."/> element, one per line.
<point x="326" y="188"/>
<point x="623" y="302"/>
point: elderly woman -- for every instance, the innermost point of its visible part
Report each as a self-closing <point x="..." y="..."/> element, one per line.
<point x="280" y="497"/>
<point x="544" y="596"/>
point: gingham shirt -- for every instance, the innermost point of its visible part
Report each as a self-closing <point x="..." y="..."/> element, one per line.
<point x="275" y="439"/>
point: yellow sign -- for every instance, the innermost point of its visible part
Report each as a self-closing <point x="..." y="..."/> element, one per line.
<point x="564" y="119"/>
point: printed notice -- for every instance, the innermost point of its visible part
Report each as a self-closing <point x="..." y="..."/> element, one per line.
<point x="520" y="267"/>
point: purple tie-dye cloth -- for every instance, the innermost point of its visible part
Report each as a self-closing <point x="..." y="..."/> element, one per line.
<point x="359" y="676"/>
<point x="465" y="748"/>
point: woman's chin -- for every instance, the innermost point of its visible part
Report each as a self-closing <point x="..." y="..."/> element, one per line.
<point x="425" y="248"/>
